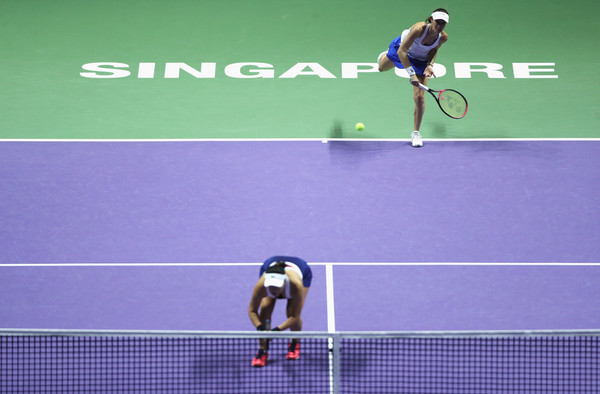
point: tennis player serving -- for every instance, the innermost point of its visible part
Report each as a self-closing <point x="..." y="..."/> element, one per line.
<point x="281" y="277"/>
<point x="415" y="51"/>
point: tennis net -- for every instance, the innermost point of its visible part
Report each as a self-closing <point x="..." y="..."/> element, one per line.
<point x="41" y="361"/>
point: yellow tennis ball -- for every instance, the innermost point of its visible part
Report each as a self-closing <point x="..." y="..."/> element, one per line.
<point x="360" y="126"/>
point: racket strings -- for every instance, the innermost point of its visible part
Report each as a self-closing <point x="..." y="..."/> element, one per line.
<point x="452" y="103"/>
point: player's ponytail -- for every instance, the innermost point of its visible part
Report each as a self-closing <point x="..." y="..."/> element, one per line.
<point x="277" y="268"/>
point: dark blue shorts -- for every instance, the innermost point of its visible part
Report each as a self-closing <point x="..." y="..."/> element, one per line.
<point x="303" y="265"/>
<point x="418" y="65"/>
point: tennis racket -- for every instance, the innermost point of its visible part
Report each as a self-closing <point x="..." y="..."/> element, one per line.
<point x="451" y="102"/>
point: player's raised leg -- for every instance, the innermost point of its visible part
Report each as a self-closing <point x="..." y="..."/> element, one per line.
<point x="384" y="63"/>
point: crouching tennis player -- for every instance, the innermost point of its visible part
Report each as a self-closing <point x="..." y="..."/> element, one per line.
<point x="281" y="277"/>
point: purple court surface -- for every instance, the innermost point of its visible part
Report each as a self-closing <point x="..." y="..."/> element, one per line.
<point x="471" y="235"/>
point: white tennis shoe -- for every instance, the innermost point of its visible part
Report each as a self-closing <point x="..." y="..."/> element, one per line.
<point x="416" y="140"/>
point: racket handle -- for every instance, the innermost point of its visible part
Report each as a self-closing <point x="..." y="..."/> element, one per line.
<point x="423" y="87"/>
<point x="268" y="324"/>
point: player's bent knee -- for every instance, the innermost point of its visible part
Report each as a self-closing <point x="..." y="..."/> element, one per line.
<point x="297" y="326"/>
<point x="419" y="99"/>
<point x="385" y="66"/>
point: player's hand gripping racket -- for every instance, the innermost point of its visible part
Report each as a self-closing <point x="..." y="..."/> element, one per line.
<point x="451" y="102"/>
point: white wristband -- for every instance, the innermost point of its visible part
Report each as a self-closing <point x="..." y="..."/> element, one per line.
<point x="410" y="71"/>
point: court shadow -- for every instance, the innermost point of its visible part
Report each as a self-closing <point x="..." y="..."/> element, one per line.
<point x="439" y="130"/>
<point x="352" y="154"/>
<point x="337" y="130"/>
<point x="356" y="364"/>
<point x="219" y="368"/>
<point x="532" y="149"/>
<point x="310" y="372"/>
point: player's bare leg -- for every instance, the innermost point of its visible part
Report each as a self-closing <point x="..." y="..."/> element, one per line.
<point x="385" y="64"/>
<point x="294" y="345"/>
<point x="419" y="98"/>
<point x="267" y="305"/>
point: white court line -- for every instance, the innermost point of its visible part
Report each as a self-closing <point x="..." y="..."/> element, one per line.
<point x="321" y="139"/>
<point x="330" y="303"/>
<point x="326" y="264"/>
<point x="481" y="263"/>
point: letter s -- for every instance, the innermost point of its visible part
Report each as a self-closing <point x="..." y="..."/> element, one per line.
<point x="112" y="71"/>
